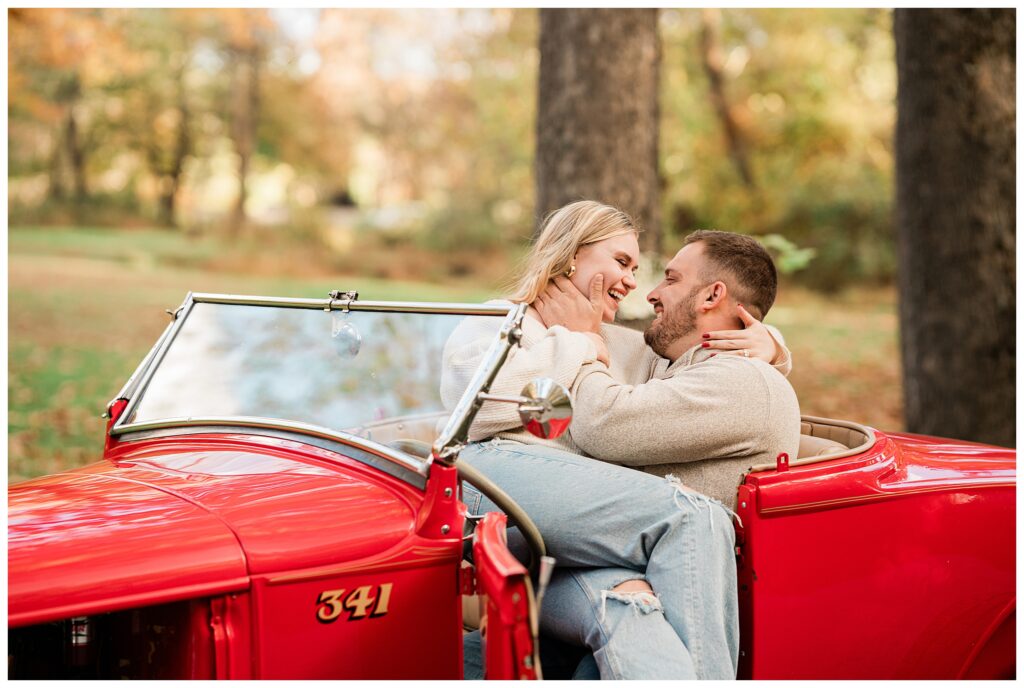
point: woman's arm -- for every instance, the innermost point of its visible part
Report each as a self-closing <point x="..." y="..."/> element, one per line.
<point x="756" y="339"/>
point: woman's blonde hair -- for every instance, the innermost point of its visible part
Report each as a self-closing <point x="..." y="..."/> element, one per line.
<point x="564" y="232"/>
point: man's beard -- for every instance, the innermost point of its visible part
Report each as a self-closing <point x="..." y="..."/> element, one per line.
<point x="673" y="325"/>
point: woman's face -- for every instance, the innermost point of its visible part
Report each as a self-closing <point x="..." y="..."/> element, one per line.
<point x="615" y="258"/>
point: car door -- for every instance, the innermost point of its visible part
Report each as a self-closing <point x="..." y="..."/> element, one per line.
<point x="509" y="620"/>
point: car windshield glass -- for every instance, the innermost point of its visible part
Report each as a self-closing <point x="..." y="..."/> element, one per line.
<point x="355" y="372"/>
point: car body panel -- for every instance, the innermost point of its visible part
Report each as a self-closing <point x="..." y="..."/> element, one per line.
<point x="410" y="591"/>
<point x="510" y="648"/>
<point x="94" y="540"/>
<point x="995" y="656"/>
<point x="896" y="465"/>
<point x="193" y="515"/>
<point x="880" y="565"/>
<point x="290" y="504"/>
<point x="417" y="634"/>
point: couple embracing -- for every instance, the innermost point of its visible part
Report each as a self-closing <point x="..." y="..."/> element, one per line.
<point x="646" y="575"/>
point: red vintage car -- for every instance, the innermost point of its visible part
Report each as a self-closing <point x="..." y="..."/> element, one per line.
<point x="279" y="497"/>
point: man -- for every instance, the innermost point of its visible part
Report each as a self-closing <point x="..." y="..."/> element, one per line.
<point x="619" y="531"/>
<point x="702" y="423"/>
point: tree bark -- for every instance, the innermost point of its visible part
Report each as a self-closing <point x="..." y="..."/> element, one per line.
<point x="168" y="168"/>
<point x="182" y="148"/>
<point x="73" y="142"/>
<point x="56" y="189"/>
<point x="245" y="109"/>
<point x="597" y="114"/>
<point x="711" y="57"/>
<point x="955" y="215"/>
<point x="77" y="156"/>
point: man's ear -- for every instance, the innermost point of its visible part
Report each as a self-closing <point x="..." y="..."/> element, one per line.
<point x="715" y="294"/>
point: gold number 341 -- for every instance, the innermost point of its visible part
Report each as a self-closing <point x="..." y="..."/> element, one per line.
<point x="357" y="603"/>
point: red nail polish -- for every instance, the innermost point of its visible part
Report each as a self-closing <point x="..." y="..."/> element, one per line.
<point x="705" y="344"/>
<point x="705" y="335"/>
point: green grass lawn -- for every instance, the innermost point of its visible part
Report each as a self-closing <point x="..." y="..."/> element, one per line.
<point x="85" y="305"/>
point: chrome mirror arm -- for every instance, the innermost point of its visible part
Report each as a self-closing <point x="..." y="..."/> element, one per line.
<point x="455" y="435"/>
<point x="527" y="402"/>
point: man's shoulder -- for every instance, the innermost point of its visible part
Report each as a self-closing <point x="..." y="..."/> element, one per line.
<point x="758" y="388"/>
<point x="756" y="378"/>
<point x="739" y="368"/>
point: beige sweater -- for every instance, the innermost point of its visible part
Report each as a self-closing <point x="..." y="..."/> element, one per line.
<point x="705" y="420"/>
<point x="570" y="359"/>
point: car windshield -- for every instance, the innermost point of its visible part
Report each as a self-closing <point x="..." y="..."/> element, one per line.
<point x="344" y="371"/>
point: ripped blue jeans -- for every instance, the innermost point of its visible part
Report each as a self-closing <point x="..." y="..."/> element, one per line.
<point x="606" y="524"/>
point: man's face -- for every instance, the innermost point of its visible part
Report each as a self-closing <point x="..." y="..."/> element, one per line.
<point x="675" y="301"/>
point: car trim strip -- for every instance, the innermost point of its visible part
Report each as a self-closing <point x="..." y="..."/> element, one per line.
<point x="368" y="446"/>
<point x="127" y="601"/>
<point x="342" y="304"/>
<point x="180" y="316"/>
<point x="133" y="381"/>
<point x="860" y="499"/>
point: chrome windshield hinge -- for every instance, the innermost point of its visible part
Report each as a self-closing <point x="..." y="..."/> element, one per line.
<point x="345" y="297"/>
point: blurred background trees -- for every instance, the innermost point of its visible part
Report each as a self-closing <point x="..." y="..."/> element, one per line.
<point x="153" y="151"/>
<point x="418" y="126"/>
<point x="792" y="136"/>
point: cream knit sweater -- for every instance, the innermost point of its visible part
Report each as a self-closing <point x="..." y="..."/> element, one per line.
<point x="553" y="352"/>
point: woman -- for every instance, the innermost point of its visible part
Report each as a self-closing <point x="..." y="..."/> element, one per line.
<point x="604" y="521"/>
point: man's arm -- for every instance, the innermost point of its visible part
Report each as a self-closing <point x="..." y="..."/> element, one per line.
<point x="713" y="409"/>
<point x="784" y="361"/>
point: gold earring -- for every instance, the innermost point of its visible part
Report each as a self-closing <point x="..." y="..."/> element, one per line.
<point x="571" y="271"/>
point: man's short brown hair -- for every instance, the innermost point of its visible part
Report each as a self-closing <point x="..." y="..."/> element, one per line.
<point x="743" y="264"/>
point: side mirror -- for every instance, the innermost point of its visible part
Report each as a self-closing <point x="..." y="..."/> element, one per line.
<point x="545" y="409"/>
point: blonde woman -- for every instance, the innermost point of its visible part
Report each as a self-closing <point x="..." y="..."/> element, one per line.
<point x="578" y="244"/>
<point x="616" y="528"/>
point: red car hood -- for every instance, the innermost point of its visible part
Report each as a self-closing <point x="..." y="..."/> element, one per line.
<point x="192" y="516"/>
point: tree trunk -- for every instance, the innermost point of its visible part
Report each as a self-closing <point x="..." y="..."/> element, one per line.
<point x="956" y="214"/>
<point x="711" y="57"/>
<point x="182" y="147"/>
<point x="597" y="114"/>
<point x="56" y="191"/>
<point x="245" y="107"/>
<point x="77" y="155"/>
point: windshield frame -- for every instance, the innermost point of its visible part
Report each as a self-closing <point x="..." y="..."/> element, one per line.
<point x="135" y="388"/>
